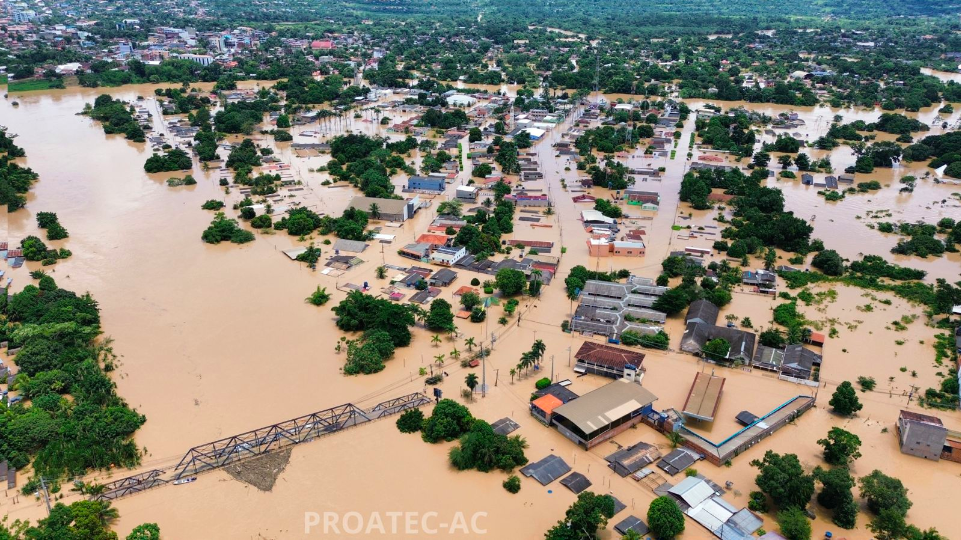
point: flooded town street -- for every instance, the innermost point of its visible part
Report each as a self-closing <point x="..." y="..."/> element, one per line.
<point x="216" y="340"/>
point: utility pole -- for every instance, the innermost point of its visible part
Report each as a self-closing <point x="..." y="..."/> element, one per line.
<point x="552" y="368"/>
<point x="46" y="495"/>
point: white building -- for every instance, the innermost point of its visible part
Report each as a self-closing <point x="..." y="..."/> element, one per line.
<point x="447" y="256"/>
<point x="468" y="193"/>
<point x="460" y="100"/>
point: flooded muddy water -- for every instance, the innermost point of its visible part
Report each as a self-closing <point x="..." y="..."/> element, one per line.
<point x="217" y="340"/>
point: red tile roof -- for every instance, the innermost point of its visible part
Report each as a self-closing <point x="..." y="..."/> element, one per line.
<point x="608" y="355"/>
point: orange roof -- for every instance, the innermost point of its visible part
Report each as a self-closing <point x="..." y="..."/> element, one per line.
<point x="437" y="239"/>
<point x="547" y="403"/>
<point x="817" y="337"/>
<point x="464" y="290"/>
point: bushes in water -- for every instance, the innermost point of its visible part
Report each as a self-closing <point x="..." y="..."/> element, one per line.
<point x="410" y="421"/>
<point x="59" y="356"/>
<point x="222" y="229"/>
<point x="50" y="222"/>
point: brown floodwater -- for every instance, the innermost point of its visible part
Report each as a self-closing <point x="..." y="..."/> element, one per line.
<point x="217" y="340"/>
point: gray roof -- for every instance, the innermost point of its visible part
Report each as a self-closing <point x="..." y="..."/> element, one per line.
<point x="606" y="404"/>
<point x="576" y="482"/>
<point x="353" y="246"/>
<point x="546" y="470"/>
<point x="702" y="311"/>
<point x="444" y="275"/>
<point x="384" y="206"/>
<point x="505" y="426"/>
<point x="800" y="361"/>
<point x="697" y="334"/>
<point x="677" y="461"/>
<point x="631" y="523"/>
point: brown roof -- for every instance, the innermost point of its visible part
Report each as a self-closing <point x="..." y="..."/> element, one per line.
<point x="704" y="397"/>
<point x="917" y="417"/>
<point x="607" y="355"/>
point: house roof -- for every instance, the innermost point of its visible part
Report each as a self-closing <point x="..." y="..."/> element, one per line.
<point x="677" y="461"/>
<point x="697" y="334"/>
<point x="384" y="206"/>
<point x="558" y="390"/>
<point x="702" y="311"/>
<point x="918" y="417"/>
<point x="799" y="358"/>
<point x="353" y="246"/>
<point x="769" y="356"/>
<point x="608" y="355"/>
<point x="547" y="403"/>
<point x="433" y="239"/>
<point x="444" y="275"/>
<point x="606" y="404"/>
<point x="692" y="490"/>
<point x="705" y="396"/>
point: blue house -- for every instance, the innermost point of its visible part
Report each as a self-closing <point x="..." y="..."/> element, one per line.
<point x="425" y="183"/>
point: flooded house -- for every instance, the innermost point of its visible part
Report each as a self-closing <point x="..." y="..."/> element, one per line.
<point x="603" y="413"/>
<point x="700" y="328"/>
<point x="921" y="435"/>
<point x="608" y="360"/>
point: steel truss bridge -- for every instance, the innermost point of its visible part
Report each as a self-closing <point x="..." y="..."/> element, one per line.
<point x="217" y="454"/>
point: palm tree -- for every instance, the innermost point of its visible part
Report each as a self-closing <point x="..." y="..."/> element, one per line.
<point x="470" y="343"/>
<point x="319" y="297"/>
<point x="381" y="272"/>
<point x="435" y="340"/>
<point x="538" y="349"/>
<point x="513" y="372"/>
<point x="439" y="359"/>
<point x="455" y="354"/>
<point x="674" y="438"/>
<point x="418" y="312"/>
<point x="374" y="211"/>
<point x="471" y="382"/>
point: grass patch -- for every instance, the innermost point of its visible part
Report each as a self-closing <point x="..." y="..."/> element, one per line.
<point x="31" y="85"/>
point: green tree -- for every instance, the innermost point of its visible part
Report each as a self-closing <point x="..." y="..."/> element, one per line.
<point x="512" y="484"/>
<point x="410" y="421"/>
<point x="794" y="524"/>
<point x="584" y="518"/>
<point x="672" y="302"/>
<point x="146" y="531"/>
<point x="510" y="281"/>
<point x="783" y="479"/>
<point x="845" y="401"/>
<point x="840" y="447"/>
<point x="829" y="262"/>
<point x="471" y="382"/>
<point x="440" y="316"/>
<point x="448" y="421"/>
<point x="889" y="524"/>
<point x="716" y="349"/>
<point x="884" y="492"/>
<point x="665" y="518"/>
<point x="319" y="297"/>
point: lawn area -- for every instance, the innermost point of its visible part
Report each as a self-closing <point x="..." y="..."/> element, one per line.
<point x="30" y="85"/>
<point x="3" y="78"/>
